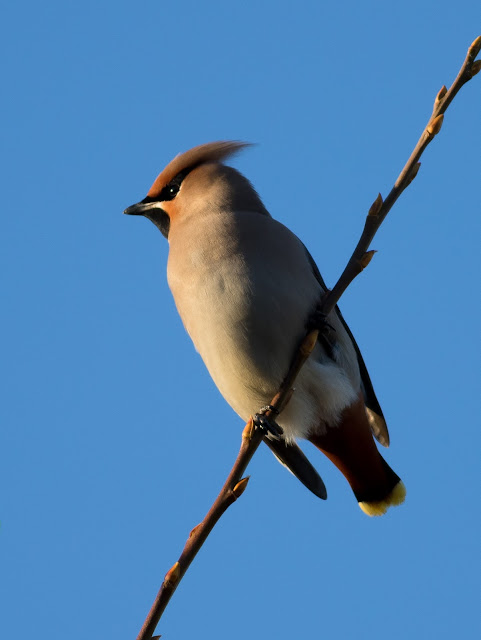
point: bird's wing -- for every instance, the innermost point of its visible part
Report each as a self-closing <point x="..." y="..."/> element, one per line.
<point x="373" y="409"/>
<point x="292" y="457"/>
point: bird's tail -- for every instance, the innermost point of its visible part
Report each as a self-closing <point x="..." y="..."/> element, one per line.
<point x="350" y="446"/>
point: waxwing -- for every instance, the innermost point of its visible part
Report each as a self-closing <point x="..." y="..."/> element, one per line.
<point x="246" y="287"/>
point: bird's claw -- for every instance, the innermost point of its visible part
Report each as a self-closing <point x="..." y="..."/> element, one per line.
<point x="318" y="320"/>
<point x="270" y="428"/>
<point x="266" y="408"/>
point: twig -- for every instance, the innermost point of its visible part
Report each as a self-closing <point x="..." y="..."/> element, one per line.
<point x="233" y="488"/>
<point x="252" y="436"/>
<point x="379" y="209"/>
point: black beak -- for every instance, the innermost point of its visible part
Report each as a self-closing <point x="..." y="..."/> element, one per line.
<point x="152" y="209"/>
<point x="136" y="209"/>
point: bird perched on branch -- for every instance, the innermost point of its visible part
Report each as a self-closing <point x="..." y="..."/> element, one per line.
<point x="246" y="287"/>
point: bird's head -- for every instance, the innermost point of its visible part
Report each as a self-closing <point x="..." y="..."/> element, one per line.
<point x="197" y="181"/>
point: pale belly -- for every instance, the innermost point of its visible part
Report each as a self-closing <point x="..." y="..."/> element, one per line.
<point x="246" y="313"/>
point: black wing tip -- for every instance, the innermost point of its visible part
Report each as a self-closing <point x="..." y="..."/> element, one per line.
<point x="292" y="457"/>
<point x="318" y="488"/>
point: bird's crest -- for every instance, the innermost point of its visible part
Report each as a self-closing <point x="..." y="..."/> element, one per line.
<point x="210" y="152"/>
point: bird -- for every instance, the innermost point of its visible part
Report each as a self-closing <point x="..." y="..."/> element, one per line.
<point x="246" y="287"/>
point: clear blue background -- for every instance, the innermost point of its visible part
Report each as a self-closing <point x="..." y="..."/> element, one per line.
<point x="114" y="440"/>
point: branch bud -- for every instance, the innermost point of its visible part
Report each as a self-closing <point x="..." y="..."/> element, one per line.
<point x="475" y="67"/>
<point x="376" y="206"/>
<point x="240" y="487"/>
<point x="194" y="530"/>
<point x="248" y="430"/>
<point x="435" y="127"/>
<point x="309" y="342"/>
<point x="172" y="576"/>
<point x="441" y="93"/>
<point x="475" y="48"/>
<point x="366" y="258"/>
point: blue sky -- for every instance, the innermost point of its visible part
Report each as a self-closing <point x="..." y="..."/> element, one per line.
<point x="114" y="439"/>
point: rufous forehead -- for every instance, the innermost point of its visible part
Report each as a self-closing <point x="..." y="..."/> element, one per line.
<point x="159" y="183"/>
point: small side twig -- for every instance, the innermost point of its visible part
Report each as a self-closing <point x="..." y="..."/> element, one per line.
<point x="252" y="436"/>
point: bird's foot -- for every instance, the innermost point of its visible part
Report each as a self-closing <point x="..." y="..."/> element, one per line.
<point x="266" y="424"/>
<point x="318" y="320"/>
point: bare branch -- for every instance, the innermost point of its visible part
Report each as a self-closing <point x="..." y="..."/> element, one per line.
<point x="233" y="488"/>
<point x="379" y="209"/>
<point x="252" y="436"/>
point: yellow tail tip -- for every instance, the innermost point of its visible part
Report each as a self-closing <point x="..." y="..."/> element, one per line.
<point x="380" y="507"/>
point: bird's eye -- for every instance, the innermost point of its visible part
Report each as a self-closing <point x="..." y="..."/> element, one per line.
<point x="172" y="189"/>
